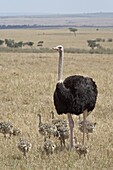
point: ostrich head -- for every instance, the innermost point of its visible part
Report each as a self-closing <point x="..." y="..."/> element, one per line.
<point x="39" y="116"/>
<point x="60" y="49"/>
<point x="52" y="113"/>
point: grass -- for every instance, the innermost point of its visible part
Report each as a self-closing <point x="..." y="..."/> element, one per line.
<point x="27" y="83"/>
<point x="27" y="86"/>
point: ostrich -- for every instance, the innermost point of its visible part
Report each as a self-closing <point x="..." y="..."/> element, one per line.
<point x="80" y="149"/>
<point x="58" y="122"/>
<point x="49" y="146"/>
<point x="62" y="130"/>
<point x="46" y="129"/>
<point x="75" y="95"/>
<point x="90" y="126"/>
<point x="24" y="146"/>
<point x="62" y="134"/>
<point x="7" y="128"/>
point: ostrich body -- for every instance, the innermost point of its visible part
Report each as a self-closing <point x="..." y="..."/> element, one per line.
<point x="75" y="95"/>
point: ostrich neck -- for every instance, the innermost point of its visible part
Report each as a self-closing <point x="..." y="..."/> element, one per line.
<point x="60" y="66"/>
<point x="52" y="114"/>
<point x="39" y="121"/>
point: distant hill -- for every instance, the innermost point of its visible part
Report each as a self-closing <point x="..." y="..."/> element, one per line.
<point x="56" y="20"/>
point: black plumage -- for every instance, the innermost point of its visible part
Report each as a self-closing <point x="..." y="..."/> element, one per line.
<point x="75" y="94"/>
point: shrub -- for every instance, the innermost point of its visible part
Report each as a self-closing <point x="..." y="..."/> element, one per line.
<point x="1" y="42"/>
<point x="110" y="40"/>
<point x="92" y="44"/>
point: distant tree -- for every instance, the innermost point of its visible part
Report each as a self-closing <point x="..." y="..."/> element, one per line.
<point x="6" y="41"/>
<point x="9" y="42"/>
<point x="92" y="44"/>
<point x="74" y="30"/>
<point x="1" y="42"/>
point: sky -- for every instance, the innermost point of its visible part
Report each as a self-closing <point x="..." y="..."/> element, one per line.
<point x="55" y="6"/>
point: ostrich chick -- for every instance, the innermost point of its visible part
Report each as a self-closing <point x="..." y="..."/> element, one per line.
<point x="49" y="146"/>
<point x="62" y="134"/>
<point x="62" y="130"/>
<point x="90" y="126"/>
<point x="46" y="129"/>
<point x="6" y="128"/>
<point x="58" y="122"/>
<point x="80" y="149"/>
<point x="24" y="146"/>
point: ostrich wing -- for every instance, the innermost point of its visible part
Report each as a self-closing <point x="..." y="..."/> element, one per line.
<point x="63" y="93"/>
<point x="62" y="98"/>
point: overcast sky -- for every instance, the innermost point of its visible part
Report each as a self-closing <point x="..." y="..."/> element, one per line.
<point x="55" y="6"/>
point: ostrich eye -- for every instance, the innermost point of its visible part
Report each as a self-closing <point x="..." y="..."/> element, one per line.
<point x="60" y="48"/>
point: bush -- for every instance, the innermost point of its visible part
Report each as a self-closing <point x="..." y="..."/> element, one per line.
<point x="30" y="43"/>
<point x="98" y="39"/>
<point x="110" y="40"/>
<point x="1" y="42"/>
<point x="40" y="43"/>
<point x="92" y="44"/>
<point x="9" y="42"/>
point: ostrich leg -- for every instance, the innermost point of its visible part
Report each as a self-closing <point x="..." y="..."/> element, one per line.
<point x="85" y="114"/>
<point x="71" y="125"/>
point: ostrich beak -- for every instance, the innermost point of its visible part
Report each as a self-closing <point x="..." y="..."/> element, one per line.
<point x="55" y="48"/>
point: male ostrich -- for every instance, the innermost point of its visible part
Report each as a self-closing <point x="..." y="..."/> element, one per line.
<point x="75" y="95"/>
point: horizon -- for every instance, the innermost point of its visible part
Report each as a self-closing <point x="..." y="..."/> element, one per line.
<point x="11" y="14"/>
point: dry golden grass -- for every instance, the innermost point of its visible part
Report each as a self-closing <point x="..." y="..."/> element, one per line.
<point x="27" y="86"/>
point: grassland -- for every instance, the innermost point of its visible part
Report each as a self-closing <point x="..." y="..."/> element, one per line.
<point x="27" y="86"/>
<point x="60" y="36"/>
